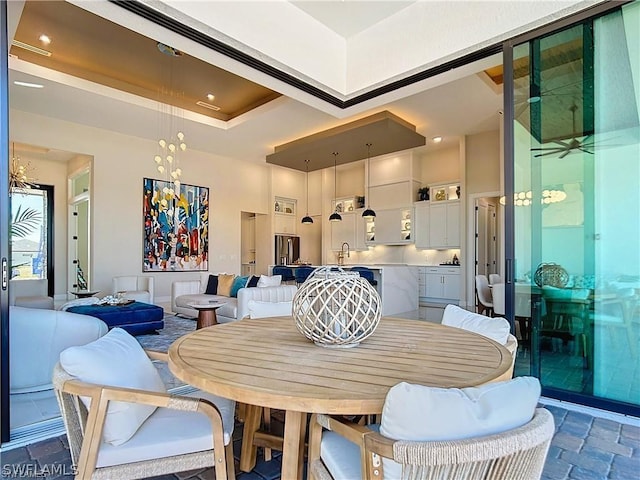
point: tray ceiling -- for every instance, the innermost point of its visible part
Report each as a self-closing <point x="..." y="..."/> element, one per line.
<point x="387" y="133"/>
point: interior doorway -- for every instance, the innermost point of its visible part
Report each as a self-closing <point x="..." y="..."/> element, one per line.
<point x="486" y="228"/>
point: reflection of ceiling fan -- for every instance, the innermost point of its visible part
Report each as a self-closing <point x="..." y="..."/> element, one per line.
<point x="564" y="148"/>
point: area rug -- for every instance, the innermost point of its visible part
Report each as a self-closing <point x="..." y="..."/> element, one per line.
<point x="174" y="328"/>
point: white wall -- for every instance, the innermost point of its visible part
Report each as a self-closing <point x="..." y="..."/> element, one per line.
<point x="483" y="162"/>
<point x="120" y="163"/>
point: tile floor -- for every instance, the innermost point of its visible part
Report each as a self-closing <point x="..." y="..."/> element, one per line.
<point x="585" y="447"/>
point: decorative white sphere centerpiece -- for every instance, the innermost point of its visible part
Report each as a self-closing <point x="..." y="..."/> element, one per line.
<point x="336" y="308"/>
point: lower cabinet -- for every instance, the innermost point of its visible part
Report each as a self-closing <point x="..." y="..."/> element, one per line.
<point x="439" y="284"/>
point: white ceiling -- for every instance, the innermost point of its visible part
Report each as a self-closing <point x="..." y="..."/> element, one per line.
<point x="349" y="17"/>
<point x="452" y="105"/>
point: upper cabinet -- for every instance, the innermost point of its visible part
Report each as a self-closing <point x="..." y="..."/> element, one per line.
<point x="444" y="224"/>
<point x="437" y="221"/>
<point x="284" y="210"/>
<point x="394" y="180"/>
<point x="350" y="230"/>
<point x="390" y="227"/>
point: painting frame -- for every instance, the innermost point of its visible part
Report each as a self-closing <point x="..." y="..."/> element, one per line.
<point x="175" y="226"/>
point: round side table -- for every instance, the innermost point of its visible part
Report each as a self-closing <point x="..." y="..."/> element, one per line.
<point x="206" y="313"/>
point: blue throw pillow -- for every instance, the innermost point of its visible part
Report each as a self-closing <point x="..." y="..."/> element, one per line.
<point x="238" y="283"/>
<point x="253" y="281"/>
<point x="212" y="285"/>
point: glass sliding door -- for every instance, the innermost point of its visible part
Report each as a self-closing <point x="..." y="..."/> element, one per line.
<point x="576" y="200"/>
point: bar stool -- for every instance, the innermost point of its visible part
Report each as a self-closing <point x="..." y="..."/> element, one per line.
<point x="366" y="273"/>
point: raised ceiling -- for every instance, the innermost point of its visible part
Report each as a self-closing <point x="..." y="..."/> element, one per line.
<point x="385" y="132"/>
<point x="87" y="46"/>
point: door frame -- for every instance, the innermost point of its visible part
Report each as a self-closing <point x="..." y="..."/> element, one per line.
<point x="470" y="267"/>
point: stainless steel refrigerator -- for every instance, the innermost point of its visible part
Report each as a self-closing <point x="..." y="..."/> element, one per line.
<point x="287" y="249"/>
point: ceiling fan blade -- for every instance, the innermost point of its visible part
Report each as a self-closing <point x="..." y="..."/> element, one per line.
<point x="548" y="153"/>
<point x="558" y="149"/>
<point x="566" y="152"/>
<point x="585" y="150"/>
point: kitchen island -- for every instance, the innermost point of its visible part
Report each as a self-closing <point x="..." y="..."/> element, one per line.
<point x="397" y="285"/>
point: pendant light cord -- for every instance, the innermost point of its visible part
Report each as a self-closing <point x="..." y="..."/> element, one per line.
<point x="368" y="176"/>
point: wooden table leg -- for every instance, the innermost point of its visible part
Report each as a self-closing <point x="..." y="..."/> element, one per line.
<point x="248" y="453"/>
<point x="295" y="426"/>
<point x="206" y="318"/>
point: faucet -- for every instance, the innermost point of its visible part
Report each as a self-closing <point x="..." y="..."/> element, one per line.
<point x="341" y="253"/>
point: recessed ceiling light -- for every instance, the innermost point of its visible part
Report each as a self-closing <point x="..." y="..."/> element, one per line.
<point x="44" y="39"/>
<point x="211" y="97"/>
<point x="436" y="139"/>
<point x="27" y="84"/>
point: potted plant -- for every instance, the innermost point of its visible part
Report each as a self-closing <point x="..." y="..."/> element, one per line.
<point x="423" y="193"/>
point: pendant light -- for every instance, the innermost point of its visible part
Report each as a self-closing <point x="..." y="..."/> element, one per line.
<point x="335" y="216"/>
<point x="307" y="219"/>
<point x="368" y="213"/>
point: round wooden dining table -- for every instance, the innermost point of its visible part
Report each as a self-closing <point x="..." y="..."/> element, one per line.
<point x="267" y="363"/>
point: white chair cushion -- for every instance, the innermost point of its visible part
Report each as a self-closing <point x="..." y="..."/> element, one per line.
<point x="341" y="456"/>
<point x="117" y="359"/>
<point x="497" y="329"/>
<point x="266" y="281"/>
<point x="259" y="309"/>
<point x="170" y="432"/>
<point x="420" y="413"/>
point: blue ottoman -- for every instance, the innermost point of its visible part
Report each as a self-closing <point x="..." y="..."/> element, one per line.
<point x="135" y="318"/>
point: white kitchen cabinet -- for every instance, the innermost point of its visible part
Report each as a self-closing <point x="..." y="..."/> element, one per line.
<point x="284" y="210"/>
<point x="420" y="227"/>
<point x="351" y="230"/>
<point x="441" y="284"/>
<point x="444" y="224"/>
<point x="390" y="227"/>
<point x="285" y="223"/>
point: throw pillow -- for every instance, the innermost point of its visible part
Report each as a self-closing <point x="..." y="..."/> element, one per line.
<point x="253" y="281"/>
<point x="238" y="283"/>
<point x="272" y="281"/>
<point x="117" y="360"/>
<point x="212" y="285"/>
<point x="225" y="282"/>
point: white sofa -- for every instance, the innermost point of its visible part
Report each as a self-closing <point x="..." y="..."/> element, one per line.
<point x="37" y="337"/>
<point x="185" y="292"/>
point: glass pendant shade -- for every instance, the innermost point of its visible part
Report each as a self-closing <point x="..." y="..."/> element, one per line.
<point x="335" y="217"/>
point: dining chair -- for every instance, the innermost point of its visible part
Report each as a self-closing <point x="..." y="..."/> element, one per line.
<point x="522" y="308"/>
<point x="121" y="423"/>
<point x="437" y="433"/>
<point x="495" y="278"/>
<point x="483" y="293"/>
<point x="495" y="328"/>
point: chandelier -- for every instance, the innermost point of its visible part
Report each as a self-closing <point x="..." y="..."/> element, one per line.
<point x="525" y="199"/>
<point x="171" y="139"/>
<point x="19" y="180"/>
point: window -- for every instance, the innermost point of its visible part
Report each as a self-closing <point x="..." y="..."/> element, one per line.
<point x="32" y="234"/>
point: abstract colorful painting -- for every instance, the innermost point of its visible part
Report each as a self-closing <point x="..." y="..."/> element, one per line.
<point x="176" y="226"/>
